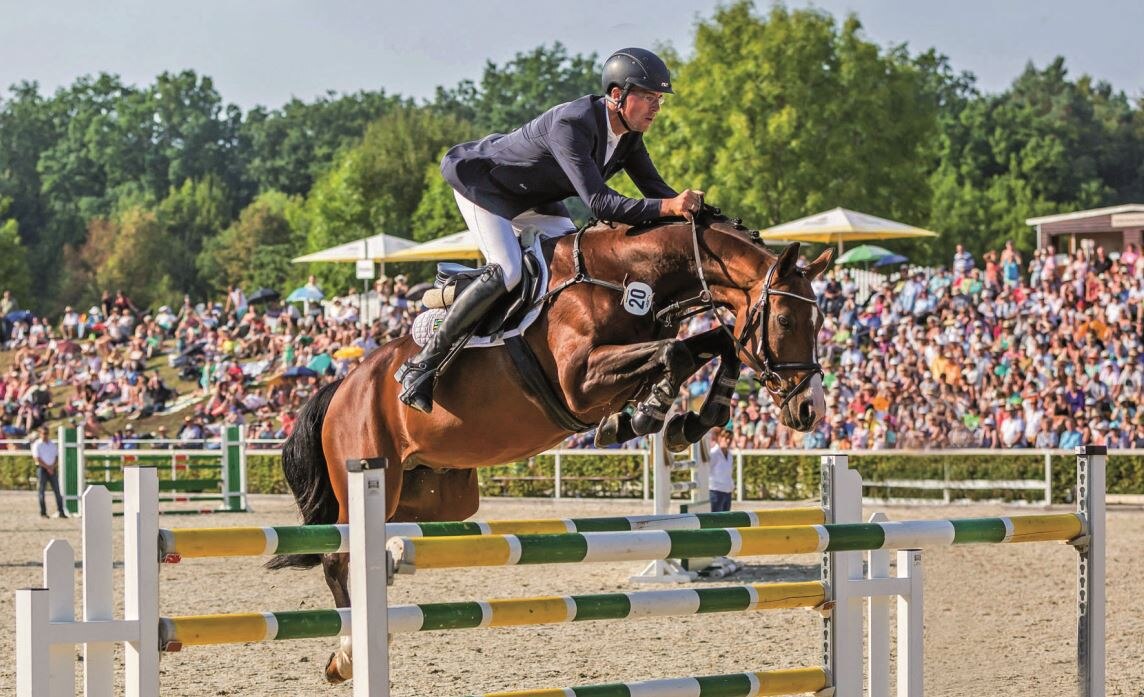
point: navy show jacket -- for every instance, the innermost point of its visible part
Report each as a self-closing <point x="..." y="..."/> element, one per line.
<point x="557" y="155"/>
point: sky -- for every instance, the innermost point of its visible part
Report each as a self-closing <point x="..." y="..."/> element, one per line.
<point x="263" y="52"/>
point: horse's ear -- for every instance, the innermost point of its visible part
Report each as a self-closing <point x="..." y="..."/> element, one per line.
<point x="819" y="265"/>
<point x="788" y="259"/>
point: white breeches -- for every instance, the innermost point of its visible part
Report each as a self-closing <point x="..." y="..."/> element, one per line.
<point x="497" y="236"/>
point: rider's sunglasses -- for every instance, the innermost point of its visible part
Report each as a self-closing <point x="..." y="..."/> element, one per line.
<point x="652" y="98"/>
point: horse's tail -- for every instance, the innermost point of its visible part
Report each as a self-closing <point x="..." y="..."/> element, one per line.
<point x="304" y="466"/>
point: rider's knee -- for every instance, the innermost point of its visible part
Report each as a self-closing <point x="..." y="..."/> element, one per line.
<point x="510" y="274"/>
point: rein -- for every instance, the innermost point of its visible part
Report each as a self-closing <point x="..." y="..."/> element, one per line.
<point x="768" y="369"/>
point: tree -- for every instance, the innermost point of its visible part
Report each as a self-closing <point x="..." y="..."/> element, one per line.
<point x="190" y="216"/>
<point x="13" y="259"/>
<point x="511" y="95"/>
<point x="26" y="131"/>
<point x="287" y="149"/>
<point x="120" y="254"/>
<point x="781" y="116"/>
<point x="436" y="213"/>
<point x="377" y="186"/>
<point x="256" y="249"/>
<point x="1045" y="145"/>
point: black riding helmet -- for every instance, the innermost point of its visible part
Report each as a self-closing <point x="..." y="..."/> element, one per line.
<point x="635" y="67"/>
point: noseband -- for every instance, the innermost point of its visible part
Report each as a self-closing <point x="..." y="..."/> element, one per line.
<point x="769" y="369"/>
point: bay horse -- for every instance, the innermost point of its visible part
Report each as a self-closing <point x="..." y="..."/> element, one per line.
<point x="602" y="342"/>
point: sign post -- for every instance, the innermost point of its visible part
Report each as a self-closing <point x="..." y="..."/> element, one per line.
<point x="366" y="271"/>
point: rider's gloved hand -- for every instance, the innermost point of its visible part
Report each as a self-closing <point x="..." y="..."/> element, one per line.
<point x="685" y="204"/>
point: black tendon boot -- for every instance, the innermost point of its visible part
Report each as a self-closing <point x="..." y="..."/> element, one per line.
<point x="418" y="374"/>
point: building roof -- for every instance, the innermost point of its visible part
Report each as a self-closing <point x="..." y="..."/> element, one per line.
<point x="1090" y="213"/>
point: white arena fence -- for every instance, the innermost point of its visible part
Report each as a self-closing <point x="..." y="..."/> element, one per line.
<point x="891" y="491"/>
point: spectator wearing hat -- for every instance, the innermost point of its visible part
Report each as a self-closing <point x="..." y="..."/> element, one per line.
<point x="989" y="437"/>
<point x="191" y="434"/>
<point x="851" y="357"/>
<point x="69" y="323"/>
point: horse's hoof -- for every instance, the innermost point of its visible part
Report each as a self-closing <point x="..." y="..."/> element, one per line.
<point x="673" y="436"/>
<point x="607" y="433"/>
<point x="333" y="674"/>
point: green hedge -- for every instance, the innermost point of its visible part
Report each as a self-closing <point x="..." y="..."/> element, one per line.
<point x="767" y="477"/>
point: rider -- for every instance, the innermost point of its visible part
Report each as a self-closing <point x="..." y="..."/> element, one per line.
<point x="503" y="183"/>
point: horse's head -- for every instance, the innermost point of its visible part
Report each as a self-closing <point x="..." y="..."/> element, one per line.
<point x="779" y="333"/>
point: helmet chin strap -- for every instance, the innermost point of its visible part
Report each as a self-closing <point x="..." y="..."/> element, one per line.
<point x="620" y="108"/>
<point x="620" y="113"/>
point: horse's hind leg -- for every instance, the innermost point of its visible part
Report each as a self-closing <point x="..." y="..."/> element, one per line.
<point x="337" y="571"/>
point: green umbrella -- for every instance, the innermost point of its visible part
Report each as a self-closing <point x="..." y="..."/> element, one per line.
<point x="320" y="362"/>
<point x="863" y="254"/>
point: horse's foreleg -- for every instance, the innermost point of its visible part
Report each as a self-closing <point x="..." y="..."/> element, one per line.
<point x="687" y="428"/>
<point x="699" y="350"/>
<point x="337" y="568"/>
<point x="668" y="363"/>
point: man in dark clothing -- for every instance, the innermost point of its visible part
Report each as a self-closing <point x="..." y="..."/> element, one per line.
<point x="503" y="183"/>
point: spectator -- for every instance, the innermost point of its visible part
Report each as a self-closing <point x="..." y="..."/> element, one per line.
<point x="963" y="262"/>
<point x="722" y="481"/>
<point x="69" y="324"/>
<point x="46" y="455"/>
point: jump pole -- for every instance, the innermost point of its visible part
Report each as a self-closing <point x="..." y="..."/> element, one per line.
<point x="663" y="464"/>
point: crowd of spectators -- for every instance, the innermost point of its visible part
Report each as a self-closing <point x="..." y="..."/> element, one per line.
<point x="1001" y="353"/>
<point x="236" y="362"/>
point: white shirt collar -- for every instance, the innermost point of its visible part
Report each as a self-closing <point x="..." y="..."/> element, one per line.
<point x="613" y="141"/>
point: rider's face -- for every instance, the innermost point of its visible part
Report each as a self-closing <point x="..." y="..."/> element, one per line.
<point x="641" y="108"/>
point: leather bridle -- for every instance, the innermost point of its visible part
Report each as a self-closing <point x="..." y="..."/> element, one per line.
<point x="769" y="369"/>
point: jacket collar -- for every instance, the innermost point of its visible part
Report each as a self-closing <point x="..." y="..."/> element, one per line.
<point x="601" y="113"/>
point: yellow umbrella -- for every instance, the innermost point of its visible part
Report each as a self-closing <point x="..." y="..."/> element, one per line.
<point x="461" y="245"/>
<point x="843" y="225"/>
<point x="349" y="352"/>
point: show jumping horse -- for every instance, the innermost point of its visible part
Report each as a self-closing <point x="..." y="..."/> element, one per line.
<point x="600" y="343"/>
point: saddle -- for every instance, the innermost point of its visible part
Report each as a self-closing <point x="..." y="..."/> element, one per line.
<point x="452" y="279"/>
<point x="509" y="317"/>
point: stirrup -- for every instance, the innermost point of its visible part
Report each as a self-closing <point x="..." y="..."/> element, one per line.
<point x="406" y="366"/>
<point x="416" y="395"/>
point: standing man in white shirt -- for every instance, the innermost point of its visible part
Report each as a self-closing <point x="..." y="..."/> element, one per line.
<point x="46" y="454"/>
<point x="721" y="483"/>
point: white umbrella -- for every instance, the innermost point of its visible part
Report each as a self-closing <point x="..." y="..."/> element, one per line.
<point x="377" y="248"/>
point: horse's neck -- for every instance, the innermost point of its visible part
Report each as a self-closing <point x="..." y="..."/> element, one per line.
<point x="663" y="257"/>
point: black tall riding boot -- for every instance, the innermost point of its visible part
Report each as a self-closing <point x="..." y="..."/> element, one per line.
<point x="418" y="374"/>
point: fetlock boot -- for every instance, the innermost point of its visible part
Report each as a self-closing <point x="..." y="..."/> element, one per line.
<point x="418" y="374"/>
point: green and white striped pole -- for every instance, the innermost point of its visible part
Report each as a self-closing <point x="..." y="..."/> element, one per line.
<point x="508" y="550"/>
<point x="773" y="682"/>
<point x="190" y="630"/>
<point x="186" y="543"/>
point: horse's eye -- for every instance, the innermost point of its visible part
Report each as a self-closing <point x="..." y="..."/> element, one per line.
<point x="784" y="321"/>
